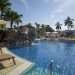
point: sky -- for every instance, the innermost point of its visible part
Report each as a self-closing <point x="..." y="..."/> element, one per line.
<point x="45" y="11"/>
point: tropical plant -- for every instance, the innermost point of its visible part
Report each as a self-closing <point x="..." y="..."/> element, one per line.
<point x="58" y="26"/>
<point x="29" y="25"/>
<point x="69" y="23"/>
<point x="43" y="28"/>
<point x="4" y="4"/>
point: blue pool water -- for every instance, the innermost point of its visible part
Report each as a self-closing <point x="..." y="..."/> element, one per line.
<point x="41" y="53"/>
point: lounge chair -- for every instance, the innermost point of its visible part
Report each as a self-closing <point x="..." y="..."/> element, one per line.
<point x="4" y="57"/>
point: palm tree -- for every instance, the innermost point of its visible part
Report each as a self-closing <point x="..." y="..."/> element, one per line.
<point x="58" y="26"/>
<point x="10" y="16"/>
<point x="69" y="23"/>
<point x="49" y="29"/>
<point x="42" y="29"/>
<point x="37" y="30"/>
<point x="13" y="17"/>
<point x="18" y="19"/>
<point x="37" y="25"/>
<point x="4" y="4"/>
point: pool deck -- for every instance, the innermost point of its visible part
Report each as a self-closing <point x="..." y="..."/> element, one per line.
<point x="21" y="68"/>
<point x="27" y="65"/>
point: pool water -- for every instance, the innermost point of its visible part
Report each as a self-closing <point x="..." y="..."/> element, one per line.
<point x="41" y="53"/>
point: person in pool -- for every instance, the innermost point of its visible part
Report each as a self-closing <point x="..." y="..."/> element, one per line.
<point x="51" y="66"/>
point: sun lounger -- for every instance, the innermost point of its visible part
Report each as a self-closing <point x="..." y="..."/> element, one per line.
<point x="4" y="57"/>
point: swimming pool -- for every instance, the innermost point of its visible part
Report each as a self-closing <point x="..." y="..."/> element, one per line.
<point x="41" y="53"/>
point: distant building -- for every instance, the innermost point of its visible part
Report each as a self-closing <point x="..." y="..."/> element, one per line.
<point x="51" y="34"/>
<point x="72" y="32"/>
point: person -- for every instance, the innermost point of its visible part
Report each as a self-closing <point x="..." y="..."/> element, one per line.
<point x="58" y="69"/>
<point x="51" y="66"/>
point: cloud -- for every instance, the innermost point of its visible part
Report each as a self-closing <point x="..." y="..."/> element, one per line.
<point x="25" y="3"/>
<point x="58" y="1"/>
<point x="46" y="1"/>
<point x="65" y="8"/>
<point x="62" y="9"/>
<point x="59" y="9"/>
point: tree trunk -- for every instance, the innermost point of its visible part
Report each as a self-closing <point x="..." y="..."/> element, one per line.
<point x="1" y="16"/>
<point x="11" y="24"/>
<point x="17" y="24"/>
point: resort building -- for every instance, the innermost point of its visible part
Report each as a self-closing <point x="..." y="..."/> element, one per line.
<point x="2" y="25"/>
